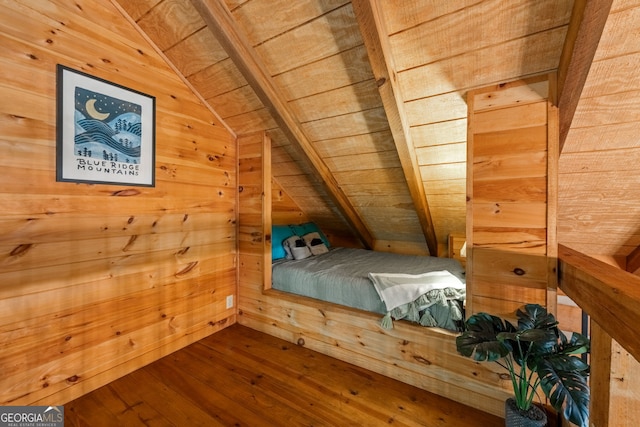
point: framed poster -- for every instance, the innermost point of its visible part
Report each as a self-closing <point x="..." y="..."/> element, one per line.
<point x="105" y="132"/>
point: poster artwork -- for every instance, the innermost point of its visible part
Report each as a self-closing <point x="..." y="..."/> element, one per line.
<point x="108" y="133"/>
<point x="105" y="132"/>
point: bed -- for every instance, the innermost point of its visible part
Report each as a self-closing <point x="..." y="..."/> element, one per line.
<point x="421" y="289"/>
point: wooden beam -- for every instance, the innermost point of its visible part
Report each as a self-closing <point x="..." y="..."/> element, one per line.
<point x="633" y="261"/>
<point x="611" y="296"/>
<point x="267" y="222"/>
<point x="221" y="23"/>
<point x="585" y="29"/>
<point x="376" y="42"/>
<point x="600" y="381"/>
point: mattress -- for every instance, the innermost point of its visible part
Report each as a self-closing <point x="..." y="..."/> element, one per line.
<point x="341" y="276"/>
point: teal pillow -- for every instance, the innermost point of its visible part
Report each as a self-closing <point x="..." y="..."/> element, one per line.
<point x="279" y="233"/>
<point x="309" y="227"/>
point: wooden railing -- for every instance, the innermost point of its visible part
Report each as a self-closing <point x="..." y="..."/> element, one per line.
<point x="611" y="297"/>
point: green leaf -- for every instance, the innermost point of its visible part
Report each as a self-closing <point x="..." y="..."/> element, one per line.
<point x="577" y="344"/>
<point x="533" y="335"/>
<point x="479" y="340"/>
<point x="534" y="316"/>
<point x="567" y="390"/>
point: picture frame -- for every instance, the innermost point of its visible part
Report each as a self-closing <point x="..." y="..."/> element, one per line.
<point x="105" y="131"/>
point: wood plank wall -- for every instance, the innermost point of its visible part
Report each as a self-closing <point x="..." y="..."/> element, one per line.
<point x="254" y="238"/>
<point x="97" y="281"/>
<point x="512" y="196"/>
<point x="283" y="209"/>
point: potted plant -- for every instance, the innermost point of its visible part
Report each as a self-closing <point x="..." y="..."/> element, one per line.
<point x="537" y="354"/>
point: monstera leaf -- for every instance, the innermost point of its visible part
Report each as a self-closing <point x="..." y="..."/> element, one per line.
<point x="563" y="381"/>
<point x="480" y="340"/>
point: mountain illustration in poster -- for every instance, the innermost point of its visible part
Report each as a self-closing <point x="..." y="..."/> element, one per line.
<point x="107" y="128"/>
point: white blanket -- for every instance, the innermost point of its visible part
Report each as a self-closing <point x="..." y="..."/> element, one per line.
<point x="398" y="289"/>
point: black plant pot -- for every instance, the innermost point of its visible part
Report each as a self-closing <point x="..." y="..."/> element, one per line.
<point x="514" y="417"/>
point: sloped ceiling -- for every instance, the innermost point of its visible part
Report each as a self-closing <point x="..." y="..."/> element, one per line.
<point x="365" y="104"/>
<point x="599" y="179"/>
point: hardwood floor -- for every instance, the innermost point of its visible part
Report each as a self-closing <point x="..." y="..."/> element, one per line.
<point x="240" y="377"/>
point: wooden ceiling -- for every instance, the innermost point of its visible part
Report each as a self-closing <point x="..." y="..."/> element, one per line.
<point x="365" y="103"/>
<point x="599" y="181"/>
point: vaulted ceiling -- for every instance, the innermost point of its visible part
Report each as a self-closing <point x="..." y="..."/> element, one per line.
<point x="364" y="101"/>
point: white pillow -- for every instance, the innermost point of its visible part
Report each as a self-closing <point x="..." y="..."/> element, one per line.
<point x="315" y="243"/>
<point x="296" y="248"/>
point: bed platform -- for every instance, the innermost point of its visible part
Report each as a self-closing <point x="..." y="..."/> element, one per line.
<point x="424" y="357"/>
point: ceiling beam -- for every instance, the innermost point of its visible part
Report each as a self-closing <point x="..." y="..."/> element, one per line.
<point x="588" y="19"/>
<point x="221" y="23"/>
<point x="376" y="43"/>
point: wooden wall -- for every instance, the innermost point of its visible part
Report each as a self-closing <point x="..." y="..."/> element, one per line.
<point x="512" y="196"/>
<point x="283" y="209"/>
<point x="98" y="280"/>
<point x="254" y="213"/>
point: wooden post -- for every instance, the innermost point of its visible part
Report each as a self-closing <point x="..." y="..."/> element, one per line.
<point x="615" y="376"/>
<point x="600" y="376"/>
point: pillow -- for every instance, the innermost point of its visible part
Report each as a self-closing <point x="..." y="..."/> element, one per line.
<point x="315" y="243"/>
<point x="286" y="245"/>
<point x="279" y="233"/>
<point x="310" y="227"/>
<point x="296" y="248"/>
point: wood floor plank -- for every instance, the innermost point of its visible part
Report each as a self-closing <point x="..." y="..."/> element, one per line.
<point x="209" y="389"/>
<point x="241" y="377"/>
<point x="171" y="406"/>
<point x="91" y="410"/>
<point x="128" y="407"/>
<point x="290" y="395"/>
<point x="309" y="384"/>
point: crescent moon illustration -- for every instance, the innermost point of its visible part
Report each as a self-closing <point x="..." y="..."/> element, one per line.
<point x="91" y="109"/>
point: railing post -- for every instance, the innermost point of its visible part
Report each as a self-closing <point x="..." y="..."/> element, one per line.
<point x="601" y="344"/>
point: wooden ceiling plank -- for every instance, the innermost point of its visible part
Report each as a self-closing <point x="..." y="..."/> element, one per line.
<point x="346" y="125"/>
<point x="170" y="22"/>
<point x="376" y="41"/>
<point x="196" y="52"/>
<point x="325" y="36"/>
<point x="257" y="18"/>
<point x="358" y="144"/>
<point x="326" y="74"/>
<point x="220" y="21"/>
<point x="585" y="29"/>
<point x="509" y="21"/>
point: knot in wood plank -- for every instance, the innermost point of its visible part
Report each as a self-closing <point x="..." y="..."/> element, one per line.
<point x="187" y="269"/>
<point x="126" y="193"/>
<point x="21" y="250"/>
<point x="422" y="360"/>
